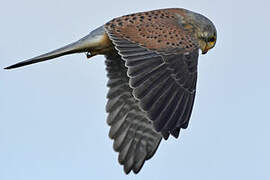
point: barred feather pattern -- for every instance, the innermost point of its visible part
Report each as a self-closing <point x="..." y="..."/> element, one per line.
<point x="164" y="83"/>
<point x="134" y="136"/>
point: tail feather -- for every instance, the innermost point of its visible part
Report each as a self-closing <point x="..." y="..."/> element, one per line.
<point x="97" y="42"/>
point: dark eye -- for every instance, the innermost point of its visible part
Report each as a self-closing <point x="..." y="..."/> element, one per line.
<point x="212" y="39"/>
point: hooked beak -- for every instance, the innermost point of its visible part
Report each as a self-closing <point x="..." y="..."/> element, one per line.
<point x="97" y="39"/>
<point x="203" y="46"/>
<point x="205" y="50"/>
<point x="207" y="47"/>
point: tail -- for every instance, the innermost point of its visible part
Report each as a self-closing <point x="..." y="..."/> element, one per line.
<point x="97" y="42"/>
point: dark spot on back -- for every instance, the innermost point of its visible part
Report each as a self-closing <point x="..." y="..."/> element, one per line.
<point x="112" y="26"/>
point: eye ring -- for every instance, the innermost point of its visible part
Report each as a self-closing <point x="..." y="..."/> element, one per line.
<point x="212" y="39"/>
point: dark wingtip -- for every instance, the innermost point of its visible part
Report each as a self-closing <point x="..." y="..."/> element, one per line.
<point x="175" y="132"/>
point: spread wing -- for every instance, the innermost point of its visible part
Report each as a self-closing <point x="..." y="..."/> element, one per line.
<point x="162" y="59"/>
<point x="132" y="132"/>
<point x="163" y="84"/>
<point x="152" y="82"/>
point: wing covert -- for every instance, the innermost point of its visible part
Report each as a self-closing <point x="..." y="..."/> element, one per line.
<point x="164" y="83"/>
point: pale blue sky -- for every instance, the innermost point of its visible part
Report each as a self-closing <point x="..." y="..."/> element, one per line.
<point x="52" y="114"/>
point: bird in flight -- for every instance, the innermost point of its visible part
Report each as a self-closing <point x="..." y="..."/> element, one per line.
<point x="151" y="63"/>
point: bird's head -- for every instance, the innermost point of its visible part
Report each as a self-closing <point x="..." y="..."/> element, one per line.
<point x="206" y="32"/>
<point x="204" y="29"/>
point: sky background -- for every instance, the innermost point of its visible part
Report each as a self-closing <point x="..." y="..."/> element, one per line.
<point x="52" y="114"/>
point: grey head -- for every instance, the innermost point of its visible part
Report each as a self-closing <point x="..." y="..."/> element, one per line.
<point x="206" y="31"/>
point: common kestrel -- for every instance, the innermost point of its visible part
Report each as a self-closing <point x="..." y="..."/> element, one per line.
<point x="151" y="63"/>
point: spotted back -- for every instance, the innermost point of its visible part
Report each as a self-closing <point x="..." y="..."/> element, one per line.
<point x="156" y="30"/>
